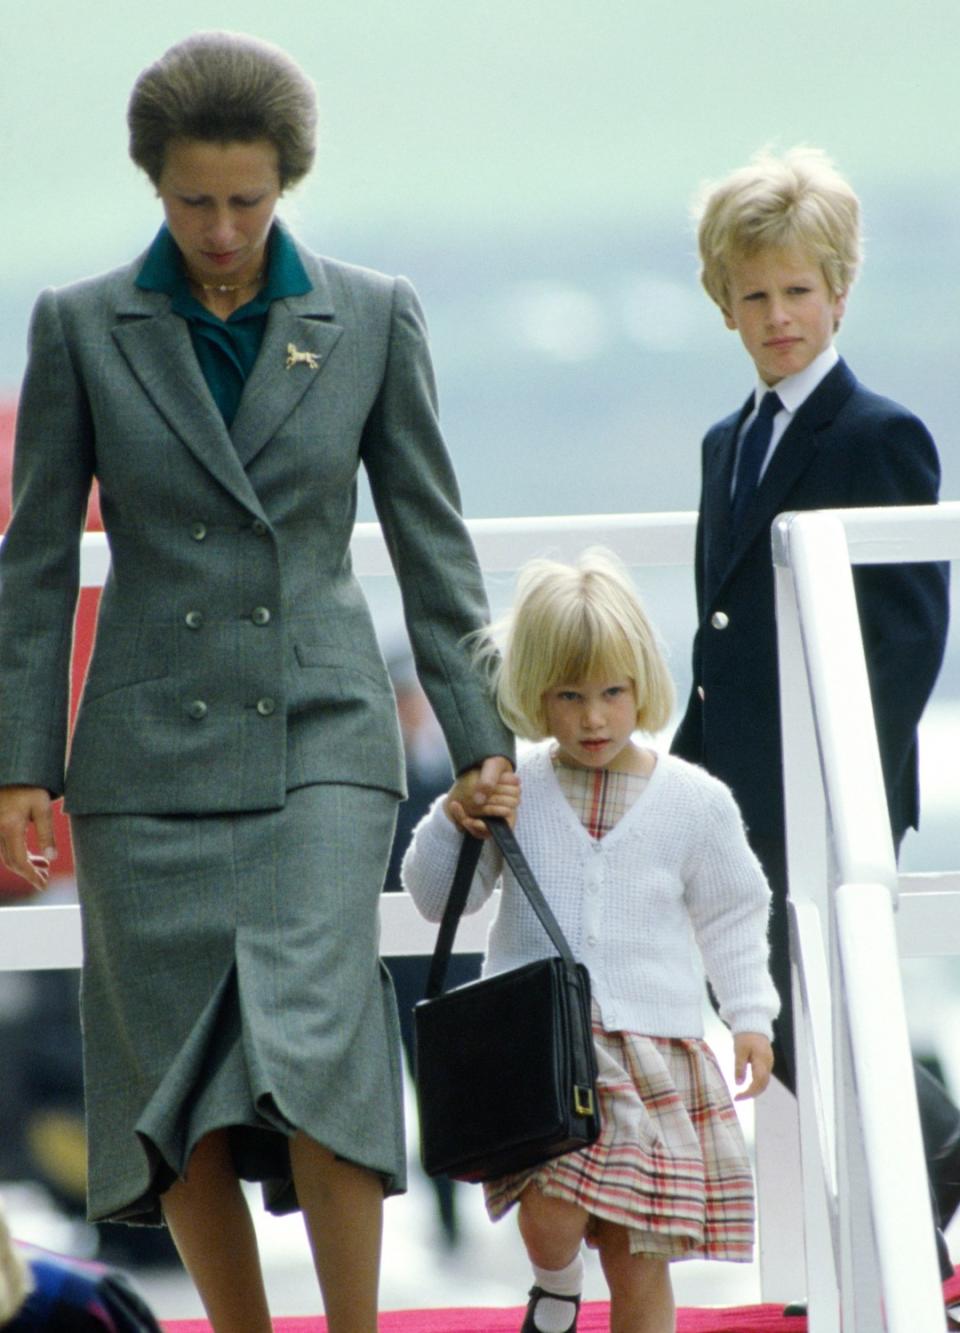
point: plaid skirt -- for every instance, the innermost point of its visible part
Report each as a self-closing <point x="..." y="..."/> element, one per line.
<point x="670" y="1164"/>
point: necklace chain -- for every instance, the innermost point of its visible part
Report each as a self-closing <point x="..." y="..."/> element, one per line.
<point x="227" y="286"/>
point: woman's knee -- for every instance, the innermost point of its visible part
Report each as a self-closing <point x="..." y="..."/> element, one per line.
<point x="210" y="1156"/>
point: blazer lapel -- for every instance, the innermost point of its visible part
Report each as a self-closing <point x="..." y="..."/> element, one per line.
<point x="790" y="460"/>
<point x="156" y="345"/>
<point x="718" y="479"/>
<point x="801" y="441"/>
<point x="296" y="347"/>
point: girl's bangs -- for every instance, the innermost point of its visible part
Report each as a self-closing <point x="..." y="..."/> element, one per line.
<point x="594" y="654"/>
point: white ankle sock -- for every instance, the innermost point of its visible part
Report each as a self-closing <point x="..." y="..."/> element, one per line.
<point x="558" y="1316"/>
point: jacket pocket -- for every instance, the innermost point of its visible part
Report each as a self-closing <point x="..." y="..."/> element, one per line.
<point x="343" y="666"/>
<point x="124" y="657"/>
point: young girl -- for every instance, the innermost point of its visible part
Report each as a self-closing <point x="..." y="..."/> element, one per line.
<point x="644" y="861"/>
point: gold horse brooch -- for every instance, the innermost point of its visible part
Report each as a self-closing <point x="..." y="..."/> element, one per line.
<point x="296" y="357"/>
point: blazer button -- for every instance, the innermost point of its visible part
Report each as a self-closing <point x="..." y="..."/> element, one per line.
<point x="719" y="620"/>
<point x="198" y="531"/>
<point x="197" y="710"/>
<point x="258" y="527"/>
<point x="260" y="615"/>
<point x="701" y="693"/>
<point x="193" y="619"/>
<point x="266" y="706"/>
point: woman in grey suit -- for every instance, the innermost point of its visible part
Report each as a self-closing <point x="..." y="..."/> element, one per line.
<point x="235" y="765"/>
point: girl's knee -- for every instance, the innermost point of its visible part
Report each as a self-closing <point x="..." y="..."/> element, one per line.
<point x="627" y="1272"/>
<point x="545" y="1221"/>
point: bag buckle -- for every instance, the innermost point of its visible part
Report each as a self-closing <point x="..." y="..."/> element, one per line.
<point x="583" y="1100"/>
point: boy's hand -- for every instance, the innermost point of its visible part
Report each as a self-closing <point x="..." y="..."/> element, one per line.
<point x="750" y="1048"/>
<point x="493" y="789"/>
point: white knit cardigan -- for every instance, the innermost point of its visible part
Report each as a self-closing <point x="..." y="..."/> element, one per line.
<point x="672" y="890"/>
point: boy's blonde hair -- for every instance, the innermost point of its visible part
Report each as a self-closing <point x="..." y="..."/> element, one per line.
<point x="577" y="622"/>
<point x="798" y="200"/>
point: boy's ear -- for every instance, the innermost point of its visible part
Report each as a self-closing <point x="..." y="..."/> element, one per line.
<point x="729" y="320"/>
<point x="839" y="309"/>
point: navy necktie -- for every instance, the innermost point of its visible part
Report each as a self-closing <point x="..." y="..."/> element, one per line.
<point x="753" y="450"/>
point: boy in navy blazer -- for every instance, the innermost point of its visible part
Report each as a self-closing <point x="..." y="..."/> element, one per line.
<point x="780" y="247"/>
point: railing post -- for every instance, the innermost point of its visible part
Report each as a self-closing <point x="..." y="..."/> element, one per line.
<point x="811" y="1236"/>
<point x="885" y="1257"/>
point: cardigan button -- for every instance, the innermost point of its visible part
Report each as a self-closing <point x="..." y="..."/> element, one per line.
<point x="266" y="706"/>
<point x="198" y="531"/>
<point x="193" y="619"/>
<point x="260" y="615"/>
<point x="258" y="527"/>
<point x="197" y="710"/>
<point x="719" y="620"/>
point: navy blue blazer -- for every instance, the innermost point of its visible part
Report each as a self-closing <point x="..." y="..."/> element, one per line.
<point x="846" y="447"/>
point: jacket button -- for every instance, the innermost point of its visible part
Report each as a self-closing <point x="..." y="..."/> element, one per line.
<point x="193" y="619"/>
<point x="260" y="615"/>
<point x="701" y="693"/>
<point x="197" y="710"/>
<point x="719" y="620"/>
<point x="259" y="527"/>
<point x="266" y="706"/>
<point x="198" y="531"/>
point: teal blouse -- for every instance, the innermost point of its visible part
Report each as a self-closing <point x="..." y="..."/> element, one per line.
<point x="226" y="349"/>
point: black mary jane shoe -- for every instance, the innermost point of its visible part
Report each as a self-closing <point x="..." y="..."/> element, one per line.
<point x="537" y="1294"/>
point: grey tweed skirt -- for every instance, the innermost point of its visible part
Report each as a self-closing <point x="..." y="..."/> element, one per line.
<point x="232" y="980"/>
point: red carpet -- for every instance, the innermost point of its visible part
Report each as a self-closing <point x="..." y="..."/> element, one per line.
<point x="594" y="1318"/>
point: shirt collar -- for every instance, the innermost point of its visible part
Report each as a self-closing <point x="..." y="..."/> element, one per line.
<point x="794" y="390"/>
<point x="162" y="270"/>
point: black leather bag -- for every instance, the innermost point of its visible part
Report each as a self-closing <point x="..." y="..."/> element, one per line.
<point x="505" y="1066"/>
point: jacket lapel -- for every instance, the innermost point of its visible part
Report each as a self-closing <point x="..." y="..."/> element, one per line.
<point x="299" y="337"/>
<point x="801" y="441"/>
<point x="718" y="479"/>
<point x="156" y="345"/>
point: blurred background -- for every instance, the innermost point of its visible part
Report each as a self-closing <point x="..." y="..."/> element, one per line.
<point x="530" y="167"/>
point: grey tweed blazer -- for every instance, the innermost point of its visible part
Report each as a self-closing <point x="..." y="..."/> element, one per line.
<point x="235" y="657"/>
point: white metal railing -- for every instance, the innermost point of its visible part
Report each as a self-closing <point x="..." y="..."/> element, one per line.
<point x="48" y="936"/>
<point x="867" y="1226"/>
<point x="811" y="573"/>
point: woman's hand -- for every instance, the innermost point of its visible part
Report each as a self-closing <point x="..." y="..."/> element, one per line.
<point x="19" y="808"/>
<point x="750" y="1048"/>
<point x="491" y="789"/>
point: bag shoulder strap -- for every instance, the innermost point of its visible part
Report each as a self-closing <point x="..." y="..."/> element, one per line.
<point x="463" y="877"/>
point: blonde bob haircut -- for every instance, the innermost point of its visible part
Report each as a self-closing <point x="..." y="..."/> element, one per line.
<point x="798" y="200"/>
<point x="571" y="623"/>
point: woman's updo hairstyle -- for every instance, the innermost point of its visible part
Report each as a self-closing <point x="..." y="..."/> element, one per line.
<point x="224" y="87"/>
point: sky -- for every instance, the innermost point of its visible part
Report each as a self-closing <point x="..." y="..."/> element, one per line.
<point x="530" y="165"/>
<point x="445" y="120"/>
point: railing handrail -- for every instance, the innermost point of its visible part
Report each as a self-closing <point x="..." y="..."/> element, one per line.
<point x="48" y="936"/>
<point x="38" y="937"/>
<point x="503" y="543"/>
